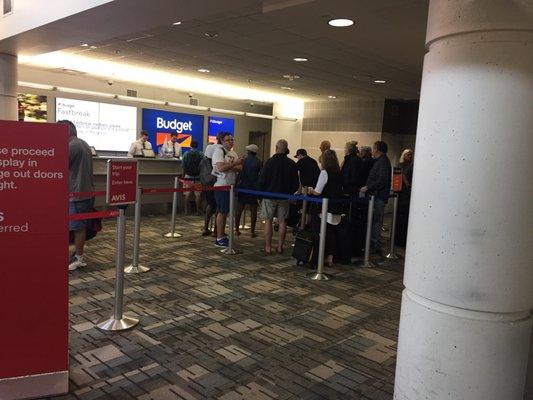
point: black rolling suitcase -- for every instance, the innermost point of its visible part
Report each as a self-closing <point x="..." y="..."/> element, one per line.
<point x="344" y="242"/>
<point x="305" y="247"/>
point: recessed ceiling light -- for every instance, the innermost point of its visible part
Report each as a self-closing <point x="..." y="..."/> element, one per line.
<point x="379" y="81"/>
<point x="300" y="59"/>
<point x="84" y="45"/>
<point x="332" y="97"/>
<point x="94" y="47"/>
<point x="291" y="77"/>
<point x="340" y="22"/>
<point x="211" y="34"/>
<point x="203" y="70"/>
<point x="287" y="88"/>
<point x="177" y="23"/>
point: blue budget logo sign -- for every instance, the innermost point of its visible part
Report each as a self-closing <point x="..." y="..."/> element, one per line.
<point x="219" y="124"/>
<point x="161" y="124"/>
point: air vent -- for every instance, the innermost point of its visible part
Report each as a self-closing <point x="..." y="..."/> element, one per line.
<point x="193" y="101"/>
<point x="131" y="93"/>
<point x="7" y="7"/>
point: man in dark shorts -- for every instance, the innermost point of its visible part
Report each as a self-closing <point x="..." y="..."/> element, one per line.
<point x="80" y="180"/>
<point x="248" y="180"/>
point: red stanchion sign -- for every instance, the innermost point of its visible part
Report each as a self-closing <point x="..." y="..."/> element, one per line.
<point x="34" y="259"/>
<point x="122" y="180"/>
<point x="397" y="180"/>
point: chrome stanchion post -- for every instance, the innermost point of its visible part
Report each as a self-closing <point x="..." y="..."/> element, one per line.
<point x="135" y="268"/>
<point x="231" y="216"/>
<point x="392" y="255"/>
<point x="304" y="210"/>
<point x="319" y="274"/>
<point x="366" y="262"/>
<point x="118" y="322"/>
<point x="173" y="233"/>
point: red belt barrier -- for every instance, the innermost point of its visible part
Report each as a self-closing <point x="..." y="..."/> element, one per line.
<point x="87" y="195"/>
<point x="93" y="215"/>
<point x="190" y="189"/>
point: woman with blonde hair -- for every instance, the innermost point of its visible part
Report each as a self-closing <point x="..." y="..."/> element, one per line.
<point x="329" y="185"/>
<point x="404" y="197"/>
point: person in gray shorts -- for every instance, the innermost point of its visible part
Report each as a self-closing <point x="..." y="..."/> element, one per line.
<point x="279" y="175"/>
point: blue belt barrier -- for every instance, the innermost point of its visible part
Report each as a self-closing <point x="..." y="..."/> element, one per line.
<point x="279" y="195"/>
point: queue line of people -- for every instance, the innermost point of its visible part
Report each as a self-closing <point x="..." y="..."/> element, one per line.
<point x="365" y="171"/>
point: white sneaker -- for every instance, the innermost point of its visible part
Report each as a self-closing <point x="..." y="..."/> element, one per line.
<point x="76" y="262"/>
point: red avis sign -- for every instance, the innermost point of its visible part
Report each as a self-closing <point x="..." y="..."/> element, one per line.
<point x="34" y="257"/>
<point x="122" y="180"/>
<point x="397" y="180"/>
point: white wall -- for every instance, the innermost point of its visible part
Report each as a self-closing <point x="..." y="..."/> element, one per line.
<point x="288" y="130"/>
<point x="243" y="125"/>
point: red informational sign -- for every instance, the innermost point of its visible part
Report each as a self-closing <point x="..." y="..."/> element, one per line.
<point x="397" y="180"/>
<point x="34" y="255"/>
<point x="121" y="182"/>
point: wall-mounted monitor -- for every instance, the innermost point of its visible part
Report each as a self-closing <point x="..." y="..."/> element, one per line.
<point x="217" y="125"/>
<point x="105" y="126"/>
<point x="160" y="124"/>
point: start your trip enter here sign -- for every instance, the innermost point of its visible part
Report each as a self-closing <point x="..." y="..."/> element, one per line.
<point x="34" y="261"/>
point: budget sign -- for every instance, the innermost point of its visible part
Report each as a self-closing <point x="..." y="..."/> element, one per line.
<point x="34" y="260"/>
<point x="160" y="124"/>
<point x="122" y="180"/>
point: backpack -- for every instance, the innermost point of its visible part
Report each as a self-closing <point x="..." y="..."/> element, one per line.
<point x="206" y="167"/>
<point x="192" y="167"/>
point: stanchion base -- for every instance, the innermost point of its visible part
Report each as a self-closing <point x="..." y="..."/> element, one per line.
<point x="114" y="325"/>
<point x="392" y="256"/>
<point x="172" y="235"/>
<point x="363" y="264"/>
<point x="139" y="269"/>
<point x="319" y="276"/>
<point x="229" y="251"/>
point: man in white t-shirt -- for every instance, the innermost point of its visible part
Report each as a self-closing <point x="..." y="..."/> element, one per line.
<point x="226" y="165"/>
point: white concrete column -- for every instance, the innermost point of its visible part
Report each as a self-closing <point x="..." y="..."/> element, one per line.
<point x="8" y="87"/>
<point x="465" y="323"/>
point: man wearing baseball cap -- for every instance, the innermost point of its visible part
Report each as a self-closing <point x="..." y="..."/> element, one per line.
<point x="308" y="169"/>
<point x="248" y="180"/>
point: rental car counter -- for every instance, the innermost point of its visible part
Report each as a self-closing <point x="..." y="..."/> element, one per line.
<point x="153" y="173"/>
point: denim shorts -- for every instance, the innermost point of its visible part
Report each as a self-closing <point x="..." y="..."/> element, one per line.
<point x="222" y="200"/>
<point x="79" y="207"/>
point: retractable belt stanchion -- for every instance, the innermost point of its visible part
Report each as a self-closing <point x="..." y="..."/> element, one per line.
<point x="230" y="249"/>
<point x="392" y="255"/>
<point x="304" y="210"/>
<point x="319" y="275"/>
<point x="135" y="267"/>
<point x="173" y="233"/>
<point x="366" y="262"/>
<point x="118" y="322"/>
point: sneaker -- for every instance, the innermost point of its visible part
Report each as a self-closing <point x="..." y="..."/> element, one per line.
<point x="206" y="232"/>
<point x="76" y="262"/>
<point x="223" y="242"/>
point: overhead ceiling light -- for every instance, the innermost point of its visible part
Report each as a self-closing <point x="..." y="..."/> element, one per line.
<point x="300" y="59"/>
<point x="332" y="97"/>
<point x="94" y="47"/>
<point x="291" y="77"/>
<point x="177" y="23"/>
<point x="211" y="35"/>
<point x="84" y="45"/>
<point x="203" y="70"/>
<point x="340" y="22"/>
<point x="379" y="81"/>
<point x="287" y="88"/>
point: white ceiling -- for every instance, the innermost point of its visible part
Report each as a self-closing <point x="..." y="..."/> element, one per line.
<point x="256" y="48"/>
<point x="256" y="42"/>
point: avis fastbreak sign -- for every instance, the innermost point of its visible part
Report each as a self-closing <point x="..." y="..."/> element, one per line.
<point x="160" y="124"/>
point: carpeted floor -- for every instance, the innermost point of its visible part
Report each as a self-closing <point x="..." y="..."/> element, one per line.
<point x="246" y="326"/>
